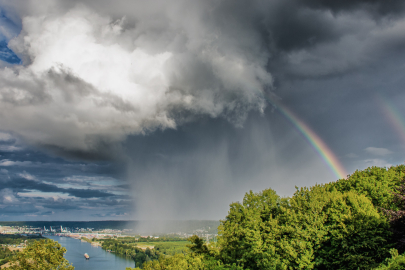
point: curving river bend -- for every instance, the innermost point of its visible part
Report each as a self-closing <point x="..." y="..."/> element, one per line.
<point x="99" y="259"/>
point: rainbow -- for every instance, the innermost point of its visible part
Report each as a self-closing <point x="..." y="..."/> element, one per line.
<point x="393" y="116"/>
<point x="313" y="139"/>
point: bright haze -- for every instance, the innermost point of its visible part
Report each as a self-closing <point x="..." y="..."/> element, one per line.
<point x="157" y="110"/>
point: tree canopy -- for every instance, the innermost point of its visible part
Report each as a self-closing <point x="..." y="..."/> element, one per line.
<point x="41" y="255"/>
<point x="312" y="229"/>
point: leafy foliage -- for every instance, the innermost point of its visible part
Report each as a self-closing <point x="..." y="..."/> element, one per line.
<point x="188" y="262"/>
<point x="41" y="255"/>
<point x="386" y="189"/>
<point x="197" y="245"/>
<point x="313" y="229"/>
<point x="397" y="218"/>
<point x="5" y="255"/>
<point x="377" y="184"/>
<point x="199" y="257"/>
<point x="357" y="235"/>
<point x="126" y="247"/>
<point x="396" y="262"/>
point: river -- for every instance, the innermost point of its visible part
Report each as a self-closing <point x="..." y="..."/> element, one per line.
<point x="99" y="259"/>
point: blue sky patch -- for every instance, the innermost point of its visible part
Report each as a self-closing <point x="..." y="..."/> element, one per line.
<point x="10" y="27"/>
<point x="8" y="55"/>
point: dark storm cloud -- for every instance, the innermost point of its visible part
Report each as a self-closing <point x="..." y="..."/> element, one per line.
<point x="30" y="179"/>
<point x="18" y="210"/>
<point x="123" y="202"/>
<point x="21" y="184"/>
<point x="12" y="205"/>
<point x="212" y="60"/>
<point x="15" y="157"/>
<point x="86" y="193"/>
<point x="61" y="206"/>
<point x="382" y="8"/>
<point x="100" y="150"/>
<point x="318" y="39"/>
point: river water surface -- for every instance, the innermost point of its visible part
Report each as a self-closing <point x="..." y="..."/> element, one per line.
<point x="99" y="259"/>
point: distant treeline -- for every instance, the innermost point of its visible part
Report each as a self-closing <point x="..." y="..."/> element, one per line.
<point x="353" y="223"/>
<point x="16" y="239"/>
<point x="130" y="247"/>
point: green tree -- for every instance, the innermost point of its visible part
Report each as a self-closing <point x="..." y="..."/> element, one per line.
<point x="41" y="255"/>
<point x="396" y="262"/>
<point x="357" y="235"/>
<point x="187" y="262"/>
<point x="197" y="245"/>
<point x="315" y="228"/>
<point x="397" y="218"/>
<point x="377" y="184"/>
<point x="250" y="233"/>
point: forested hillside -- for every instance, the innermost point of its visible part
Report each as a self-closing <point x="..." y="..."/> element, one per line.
<point x="353" y="223"/>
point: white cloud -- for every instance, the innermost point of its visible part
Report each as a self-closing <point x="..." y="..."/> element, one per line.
<point x="5" y="137"/>
<point x="27" y="176"/>
<point x="88" y="78"/>
<point x="377" y="162"/>
<point x="10" y="148"/>
<point x="378" y="151"/>
<point x="7" y="196"/>
<point x="34" y="194"/>
<point x="6" y="163"/>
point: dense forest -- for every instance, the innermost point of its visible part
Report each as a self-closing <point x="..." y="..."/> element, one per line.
<point x="353" y="223"/>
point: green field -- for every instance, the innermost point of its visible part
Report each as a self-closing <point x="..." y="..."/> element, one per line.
<point x="16" y="239"/>
<point x="167" y="248"/>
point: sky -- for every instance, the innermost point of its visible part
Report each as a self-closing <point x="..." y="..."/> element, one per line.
<point x="158" y="110"/>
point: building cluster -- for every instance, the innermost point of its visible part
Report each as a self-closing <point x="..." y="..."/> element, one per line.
<point x="202" y="233"/>
<point x="55" y="230"/>
<point x="20" y="230"/>
<point x="90" y="233"/>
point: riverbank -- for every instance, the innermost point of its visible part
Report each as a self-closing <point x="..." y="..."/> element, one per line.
<point x="99" y="258"/>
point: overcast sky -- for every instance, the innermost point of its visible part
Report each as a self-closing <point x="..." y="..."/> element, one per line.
<point x="174" y="109"/>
